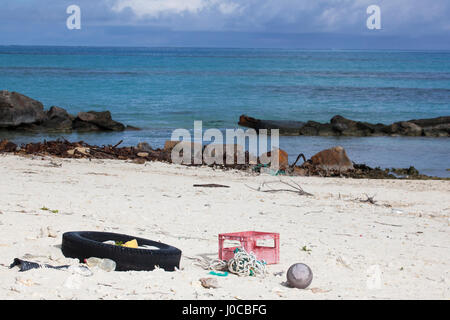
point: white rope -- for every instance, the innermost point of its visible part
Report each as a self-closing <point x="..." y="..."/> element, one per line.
<point x="216" y="265"/>
<point x="242" y="264"/>
<point x="246" y="264"/>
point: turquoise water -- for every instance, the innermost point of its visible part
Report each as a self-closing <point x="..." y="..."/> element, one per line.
<point x="160" y="89"/>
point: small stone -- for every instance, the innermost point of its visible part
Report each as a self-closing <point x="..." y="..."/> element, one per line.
<point x="142" y="154"/>
<point x="318" y="290"/>
<point x="139" y="161"/>
<point x="51" y="233"/>
<point x="47" y="232"/>
<point x="82" y="150"/>
<point x="144" y="147"/>
<point x="209" y="283"/>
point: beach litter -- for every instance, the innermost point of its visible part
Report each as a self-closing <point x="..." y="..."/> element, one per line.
<point x="292" y="187"/>
<point x="210" y="185"/>
<point x="24" y="265"/>
<point x="264" y="245"/>
<point x="370" y="200"/>
<point x="28" y="265"/>
<point x="128" y="252"/>
<point x="219" y="274"/>
<point x="246" y="264"/>
<point x="242" y="264"/>
<point x="130" y="244"/>
<point x="299" y="276"/>
<point x="107" y="265"/>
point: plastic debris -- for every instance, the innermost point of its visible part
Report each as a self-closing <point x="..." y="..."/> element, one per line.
<point x="107" y="265"/>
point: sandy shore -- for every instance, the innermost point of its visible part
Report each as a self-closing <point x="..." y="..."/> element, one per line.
<point x="405" y="235"/>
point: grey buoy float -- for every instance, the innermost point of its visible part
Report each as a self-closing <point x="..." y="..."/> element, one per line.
<point x="299" y="276"/>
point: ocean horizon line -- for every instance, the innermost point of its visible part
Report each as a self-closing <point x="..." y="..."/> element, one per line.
<point x="226" y="48"/>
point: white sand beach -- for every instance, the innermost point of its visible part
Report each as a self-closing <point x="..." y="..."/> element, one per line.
<point x="405" y="234"/>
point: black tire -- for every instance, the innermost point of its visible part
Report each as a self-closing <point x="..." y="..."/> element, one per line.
<point x="86" y="244"/>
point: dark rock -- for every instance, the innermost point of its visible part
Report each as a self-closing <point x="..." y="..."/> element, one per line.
<point x="411" y="171"/>
<point x="59" y="113"/>
<point x="84" y="126"/>
<point x="17" y="109"/>
<point x="58" y="120"/>
<point x="404" y="128"/>
<point x="286" y="127"/>
<point x="431" y="122"/>
<point x="101" y="119"/>
<point x="332" y="159"/>
<point x="347" y="127"/>
<point x="311" y="128"/>
<point x="440" y="130"/>
<point x="340" y="126"/>
<point x="131" y="128"/>
<point x="19" y="112"/>
<point x="326" y="130"/>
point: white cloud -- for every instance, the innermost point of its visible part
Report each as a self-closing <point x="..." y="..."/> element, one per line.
<point x="229" y="7"/>
<point x="154" y="8"/>
<point x="398" y="16"/>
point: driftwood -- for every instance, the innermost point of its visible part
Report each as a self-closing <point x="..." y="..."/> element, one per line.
<point x="211" y="185"/>
<point x="294" y="187"/>
<point x="301" y="155"/>
<point x="388" y="224"/>
<point x="370" y="200"/>
<point x="117" y="144"/>
<point x="63" y="148"/>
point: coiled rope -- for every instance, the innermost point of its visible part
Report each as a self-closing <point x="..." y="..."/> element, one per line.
<point x="246" y="264"/>
<point x="242" y="264"/>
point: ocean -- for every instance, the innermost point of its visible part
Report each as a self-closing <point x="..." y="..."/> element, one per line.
<point x="161" y="89"/>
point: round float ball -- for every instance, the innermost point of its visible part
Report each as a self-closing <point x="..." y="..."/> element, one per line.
<point x="299" y="276"/>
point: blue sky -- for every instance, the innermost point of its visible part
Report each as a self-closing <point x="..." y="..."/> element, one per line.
<point x="339" y="24"/>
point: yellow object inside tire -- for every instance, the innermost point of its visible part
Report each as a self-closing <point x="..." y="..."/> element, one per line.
<point x="131" y="244"/>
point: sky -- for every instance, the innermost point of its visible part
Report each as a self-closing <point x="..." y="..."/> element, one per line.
<point x="309" y="24"/>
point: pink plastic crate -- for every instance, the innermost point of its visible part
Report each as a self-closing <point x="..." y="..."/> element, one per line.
<point x="249" y="240"/>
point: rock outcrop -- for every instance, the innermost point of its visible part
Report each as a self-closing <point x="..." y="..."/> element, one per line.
<point x="340" y="126"/>
<point x="332" y="159"/>
<point x="21" y="113"/>
<point x="102" y="120"/>
<point x="17" y="109"/>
